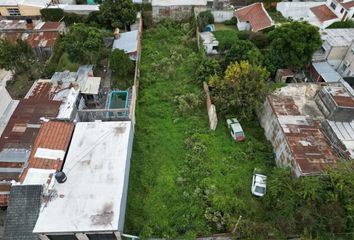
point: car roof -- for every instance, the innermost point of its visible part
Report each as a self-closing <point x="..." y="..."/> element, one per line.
<point x="260" y="179"/>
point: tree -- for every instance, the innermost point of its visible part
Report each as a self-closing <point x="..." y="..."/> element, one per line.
<point x="243" y="50"/>
<point x="206" y="68"/>
<point x="344" y="24"/>
<point x="52" y="14"/>
<point x="205" y="18"/>
<point x="293" y="44"/>
<point x="242" y="89"/>
<point x="118" y="13"/>
<point x="16" y="56"/>
<point x="84" y="44"/>
<point x="120" y="63"/>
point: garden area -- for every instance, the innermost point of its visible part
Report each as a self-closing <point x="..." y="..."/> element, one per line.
<point x="187" y="181"/>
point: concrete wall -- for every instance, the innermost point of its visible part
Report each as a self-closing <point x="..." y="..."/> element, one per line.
<point x="175" y="12"/>
<point x="5" y="100"/>
<point x="243" y="26"/>
<point x="336" y="55"/>
<point x="29" y="10"/>
<point x="275" y="134"/>
<point x="221" y="16"/>
<point x="348" y="61"/>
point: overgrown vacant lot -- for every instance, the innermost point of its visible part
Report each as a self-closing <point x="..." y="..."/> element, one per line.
<point x="185" y="179"/>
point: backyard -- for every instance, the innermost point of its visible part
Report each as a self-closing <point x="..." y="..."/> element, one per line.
<point x="186" y="180"/>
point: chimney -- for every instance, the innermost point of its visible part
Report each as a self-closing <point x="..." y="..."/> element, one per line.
<point x="29" y="23"/>
<point x="116" y="33"/>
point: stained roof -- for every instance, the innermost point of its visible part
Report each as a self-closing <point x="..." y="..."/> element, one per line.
<point x="326" y="71"/>
<point x="338" y="37"/>
<point x="340" y="95"/>
<point x="323" y="13"/>
<point x="22" y="212"/>
<point x="92" y="85"/>
<point x="97" y="169"/>
<point x="300" y="118"/>
<point x="256" y="15"/>
<point x="52" y="136"/>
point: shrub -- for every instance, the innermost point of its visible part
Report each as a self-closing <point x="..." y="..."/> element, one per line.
<point x="232" y="21"/>
<point x="344" y="24"/>
<point x="205" y="18"/>
<point x="206" y="67"/>
<point x="52" y="14"/>
<point x="187" y="103"/>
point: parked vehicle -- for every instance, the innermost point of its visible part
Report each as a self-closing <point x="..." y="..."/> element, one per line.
<point x="236" y="130"/>
<point x="259" y="184"/>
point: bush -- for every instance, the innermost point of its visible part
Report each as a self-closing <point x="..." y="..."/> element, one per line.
<point x="205" y="68"/>
<point x="232" y="21"/>
<point x="344" y="24"/>
<point x="71" y="18"/>
<point x="205" y="18"/>
<point x="187" y="103"/>
<point x="226" y="39"/>
<point x="52" y="14"/>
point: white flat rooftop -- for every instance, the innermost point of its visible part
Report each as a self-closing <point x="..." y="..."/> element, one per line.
<point x="339" y="37"/>
<point x="128" y="42"/>
<point x="97" y="169"/>
<point x="92" y="85"/>
<point x="179" y="2"/>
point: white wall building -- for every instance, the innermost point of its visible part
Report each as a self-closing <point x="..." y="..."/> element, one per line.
<point x="91" y="203"/>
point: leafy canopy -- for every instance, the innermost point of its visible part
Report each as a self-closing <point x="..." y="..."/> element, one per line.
<point x="84" y="44"/>
<point x="243" y="50"/>
<point x="205" y="18"/>
<point x="118" y="13"/>
<point x="293" y="44"/>
<point x="120" y="63"/>
<point x="242" y="88"/>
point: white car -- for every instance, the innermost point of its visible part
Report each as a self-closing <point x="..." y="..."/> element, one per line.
<point x="236" y="130"/>
<point x="259" y="185"/>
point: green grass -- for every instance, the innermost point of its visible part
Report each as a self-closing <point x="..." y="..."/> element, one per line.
<point x="221" y="26"/>
<point x="186" y="180"/>
<point x="19" y="86"/>
<point x="65" y="64"/>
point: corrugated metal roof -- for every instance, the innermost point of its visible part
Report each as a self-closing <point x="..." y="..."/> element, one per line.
<point x="52" y="135"/>
<point x="299" y="118"/>
<point x="326" y="71"/>
<point x="339" y="37"/>
<point x="128" y="42"/>
<point x="340" y="95"/>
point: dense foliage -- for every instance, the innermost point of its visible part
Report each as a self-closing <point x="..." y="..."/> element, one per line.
<point x="226" y="39"/>
<point x="242" y="89"/>
<point x="185" y="180"/>
<point x="119" y="14"/>
<point x="344" y="24"/>
<point x="293" y="44"/>
<point x="205" y="18"/>
<point x="85" y="44"/>
<point x="243" y="50"/>
<point x="52" y="14"/>
<point x="120" y="63"/>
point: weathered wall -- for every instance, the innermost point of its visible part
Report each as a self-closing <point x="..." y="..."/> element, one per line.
<point x="4" y="12"/>
<point x="213" y="119"/>
<point x="175" y="12"/>
<point x="221" y="16"/>
<point x="275" y="134"/>
<point x="29" y="10"/>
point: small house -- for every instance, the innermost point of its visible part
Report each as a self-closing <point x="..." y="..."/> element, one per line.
<point x="210" y="44"/>
<point x="253" y="18"/>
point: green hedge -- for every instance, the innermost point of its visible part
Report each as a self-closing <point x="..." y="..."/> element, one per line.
<point x="52" y="14"/>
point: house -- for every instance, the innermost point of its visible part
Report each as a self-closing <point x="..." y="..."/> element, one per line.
<point x="79" y="9"/>
<point x="41" y="36"/>
<point x="176" y="9"/>
<point x="253" y="18"/>
<point x="49" y="150"/>
<point x="323" y="72"/>
<point x="17" y="8"/>
<point x="333" y="11"/>
<point x="89" y="87"/>
<point x="128" y="42"/>
<point x="337" y="50"/>
<point x="22" y="212"/>
<point x="91" y="202"/>
<point x="298" y="11"/>
<point x="292" y="123"/>
<point x="209" y="42"/>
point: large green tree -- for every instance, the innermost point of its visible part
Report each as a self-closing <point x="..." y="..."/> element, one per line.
<point x="118" y="13"/>
<point x="85" y="44"/>
<point x="241" y="90"/>
<point x="16" y="56"/>
<point x="243" y="50"/>
<point x="120" y="63"/>
<point x="293" y="44"/>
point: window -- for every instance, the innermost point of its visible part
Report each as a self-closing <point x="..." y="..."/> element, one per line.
<point x="106" y="236"/>
<point x="342" y="10"/>
<point x="14" y="12"/>
<point x="344" y="67"/>
<point x="62" y="237"/>
<point x="333" y="6"/>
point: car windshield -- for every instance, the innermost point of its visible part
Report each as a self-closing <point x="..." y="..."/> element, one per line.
<point x="260" y="189"/>
<point x="239" y="134"/>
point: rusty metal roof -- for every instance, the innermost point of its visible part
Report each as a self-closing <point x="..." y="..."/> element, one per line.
<point x="53" y="135"/>
<point x="341" y="96"/>
<point x="299" y="118"/>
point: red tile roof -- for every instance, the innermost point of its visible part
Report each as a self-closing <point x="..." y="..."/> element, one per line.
<point x="52" y="135"/>
<point x="256" y="15"/>
<point x="323" y="13"/>
<point x="348" y="5"/>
